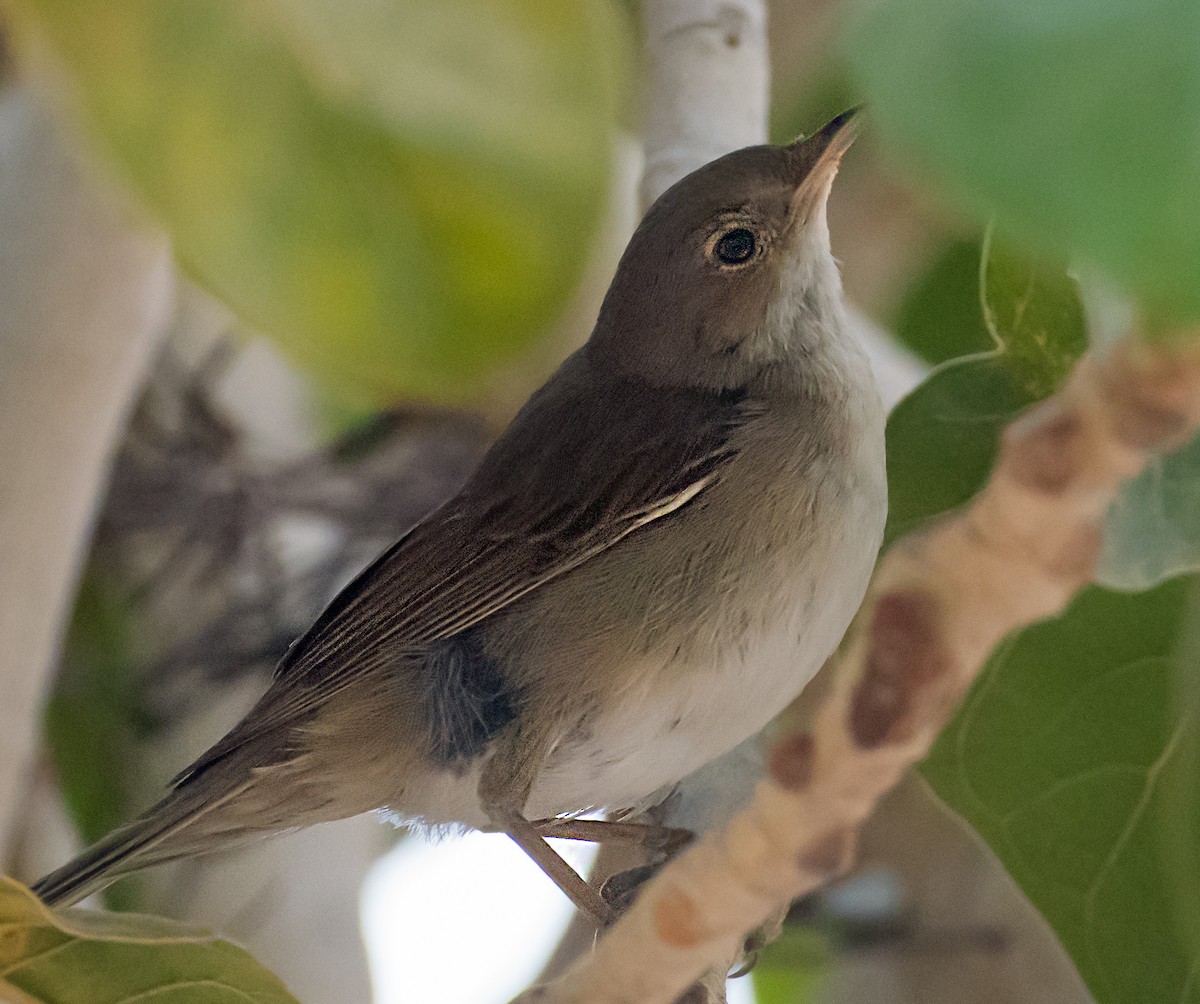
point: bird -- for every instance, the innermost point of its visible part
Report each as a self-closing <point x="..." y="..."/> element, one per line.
<point x="651" y="561"/>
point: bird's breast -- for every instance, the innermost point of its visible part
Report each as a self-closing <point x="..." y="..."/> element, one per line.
<point x="730" y="611"/>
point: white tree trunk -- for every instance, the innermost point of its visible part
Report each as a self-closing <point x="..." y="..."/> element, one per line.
<point x="707" y="79"/>
<point x="83" y="298"/>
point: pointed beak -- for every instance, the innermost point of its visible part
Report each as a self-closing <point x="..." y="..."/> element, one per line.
<point x="815" y="161"/>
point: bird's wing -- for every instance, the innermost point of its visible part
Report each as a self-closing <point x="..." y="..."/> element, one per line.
<point x="588" y="461"/>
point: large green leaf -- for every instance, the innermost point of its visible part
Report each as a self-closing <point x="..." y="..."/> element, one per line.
<point x="402" y="194"/>
<point x="1068" y="758"/>
<point x="88" y="957"/>
<point x="1078" y="122"/>
<point x="940" y="317"/>
<point x="942" y="438"/>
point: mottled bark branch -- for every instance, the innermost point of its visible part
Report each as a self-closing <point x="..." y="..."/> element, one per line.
<point x="941" y="600"/>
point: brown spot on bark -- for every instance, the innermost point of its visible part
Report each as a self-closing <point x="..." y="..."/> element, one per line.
<point x="1044" y="455"/>
<point x="791" y="761"/>
<point x="904" y="656"/>
<point x="832" y="855"/>
<point x="676" y="920"/>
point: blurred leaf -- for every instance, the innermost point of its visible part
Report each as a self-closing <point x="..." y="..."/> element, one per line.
<point x="1065" y="758"/>
<point x="940" y="316"/>
<point x="943" y="437"/>
<point x="95" y="718"/>
<point x="1153" y="530"/>
<point x="1078" y="123"/>
<point x="77" y="956"/>
<point x="402" y="194"/>
<point x="1033" y="310"/>
<point x="792" y="968"/>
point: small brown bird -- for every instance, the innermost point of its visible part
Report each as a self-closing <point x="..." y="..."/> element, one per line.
<point x="654" y="558"/>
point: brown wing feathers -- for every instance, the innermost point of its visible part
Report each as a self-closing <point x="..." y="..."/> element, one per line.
<point x="594" y="477"/>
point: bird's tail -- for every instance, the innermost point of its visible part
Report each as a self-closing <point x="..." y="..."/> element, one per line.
<point x="163" y="833"/>
<point x="251" y="784"/>
<point x="166" y="831"/>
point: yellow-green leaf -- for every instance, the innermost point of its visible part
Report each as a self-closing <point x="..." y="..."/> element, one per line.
<point x="402" y="194"/>
<point x="75" y="956"/>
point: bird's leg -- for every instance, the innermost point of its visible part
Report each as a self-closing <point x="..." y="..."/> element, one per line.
<point x="573" y="885"/>
<point x="652" y="836"/>
<point x="503" y="790"/>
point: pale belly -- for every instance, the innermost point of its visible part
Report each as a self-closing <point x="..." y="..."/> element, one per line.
<point x="654" y="740"/>
<point x="686" y="716"/>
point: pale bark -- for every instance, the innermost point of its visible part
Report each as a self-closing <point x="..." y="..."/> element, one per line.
<point x="83" y="298"/>
<point x="706" y="71"/>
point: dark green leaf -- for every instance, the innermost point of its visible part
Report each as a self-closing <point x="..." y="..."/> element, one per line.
<point x="95" y="718"/>
<point x="942" y="438"/>
<point x="940" y="317"/>
<point x="402" y="194"/>
<point x="1078" y="123"/>
<point x="1066" y="758"/>
<point x="89" y="957"/>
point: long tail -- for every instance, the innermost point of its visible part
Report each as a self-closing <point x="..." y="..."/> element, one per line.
<point x="164" y="832"/>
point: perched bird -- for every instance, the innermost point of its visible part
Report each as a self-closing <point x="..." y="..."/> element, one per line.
<point x="654" y="558"/>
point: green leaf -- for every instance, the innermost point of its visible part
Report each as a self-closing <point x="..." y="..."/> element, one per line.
<point x="1153" y="530"/>
<point x="792" y="968"/>
<point x="943" y="437"/>
<point x="77" y="956"/>
<point x="1067" y="758"/>
<point x="1033" y="310"/>
<point x="96" y="718"/>
<point x="1078" y="123"/>
<point x="402" y="194"/>
<point x="940" y="316"/>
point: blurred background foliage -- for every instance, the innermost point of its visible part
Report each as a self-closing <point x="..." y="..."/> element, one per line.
<point x="400" y="194"/>
<point x="404" y="197"/>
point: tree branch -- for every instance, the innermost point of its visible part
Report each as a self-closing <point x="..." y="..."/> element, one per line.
<point x="706" y="70"/>
<point x="84" y="298"/>
<point x="941" y="600"/>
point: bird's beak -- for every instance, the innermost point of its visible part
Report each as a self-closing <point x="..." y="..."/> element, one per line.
<point x="815" y="161"/>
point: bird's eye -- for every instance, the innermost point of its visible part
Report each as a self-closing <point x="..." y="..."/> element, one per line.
<point x="735" y="247"/>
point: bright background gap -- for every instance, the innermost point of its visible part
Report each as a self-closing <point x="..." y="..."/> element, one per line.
<point x="467" y="920"/>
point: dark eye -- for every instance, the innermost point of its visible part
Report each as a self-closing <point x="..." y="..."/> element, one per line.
<point x="735" y="247"/>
